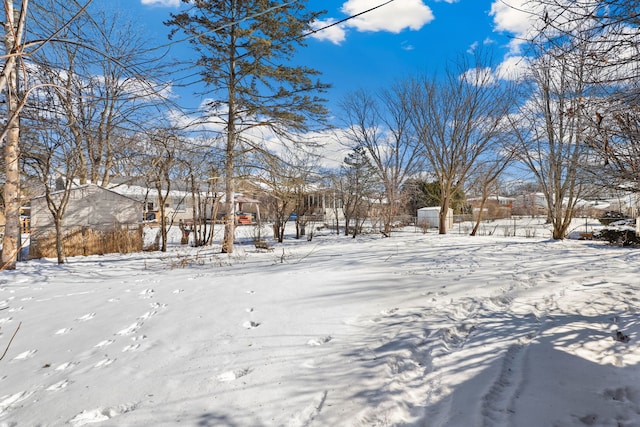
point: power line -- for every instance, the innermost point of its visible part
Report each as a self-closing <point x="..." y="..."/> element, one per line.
<point x="344" y="20"/>
<point x="274" y="8"/>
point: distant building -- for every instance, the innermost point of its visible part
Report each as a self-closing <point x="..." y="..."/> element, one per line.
<point x="89" y="206"/>
<point x="495" y="207"/>
<point x="429" y="217"/>
<point x="91" y="210"/>
<point x="530" y="204"/>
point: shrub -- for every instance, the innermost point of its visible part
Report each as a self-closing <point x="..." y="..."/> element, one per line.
<point x="610" y="217"/>
<point x="619" y="233"/>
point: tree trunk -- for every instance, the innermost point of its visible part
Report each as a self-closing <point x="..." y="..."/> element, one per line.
<point x="163" y="227"/>
<point x="230" y="205"/>
<point x="482" y="204"/>
<point x="229" y="171"/>
<point x="442" y="217"/>
<point x="479" y="219"/>
<point x="59" y="239"/>
<point x="12" y="234"/>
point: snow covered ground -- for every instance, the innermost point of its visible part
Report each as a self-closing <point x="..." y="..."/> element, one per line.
<point x="416" y="329"/>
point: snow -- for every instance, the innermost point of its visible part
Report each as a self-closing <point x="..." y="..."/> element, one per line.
<point x="416" y="329"/>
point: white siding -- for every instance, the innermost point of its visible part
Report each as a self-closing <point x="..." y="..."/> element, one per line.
<point x="89" y="206"/>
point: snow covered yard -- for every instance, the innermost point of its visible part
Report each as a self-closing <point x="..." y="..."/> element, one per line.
<point x="417" y="329"/>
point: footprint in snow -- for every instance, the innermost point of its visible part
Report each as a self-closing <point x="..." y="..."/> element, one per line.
<point x="25" y="355"/>
<point x="229" y="376"/>
<point x="104" y="343"/>
<point x="147" y="293"/>
<point x="65" y="366"/>
<point x="132" y="347"/>
<point x="86" y="317"/>
<point x="319" y="341"/>
<point x="130" y="330"/>
<point x="250" y="324"/>
<point x="58" y="386"/>
<point x="101" y="414"/>
<point x="104" y="362"/>
<point x="6" y="402"/>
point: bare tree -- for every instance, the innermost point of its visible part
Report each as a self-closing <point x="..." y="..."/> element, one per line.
<point x="550" y="130"/>
<point x="206" y="201"/>
<point x="287" y="176"/>
<point x="606" y="33"/>
<point x="51" y="155"/>
<point x="162" y="158"/>
<point x="458" y="119"/>
<point x="487" y="174"/>
<point x="54" y="54"/>
<point x="110" y="86"/>
<point x="381" y="126"/>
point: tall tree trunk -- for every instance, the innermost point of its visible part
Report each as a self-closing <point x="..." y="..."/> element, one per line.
<point x="12" y="234"/>
<point x="229" y="170"/>
<point x="230" y="205"/>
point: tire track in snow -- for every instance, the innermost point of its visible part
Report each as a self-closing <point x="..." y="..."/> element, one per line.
<point x="498" y="403"/>
<point x="471" y="316"/>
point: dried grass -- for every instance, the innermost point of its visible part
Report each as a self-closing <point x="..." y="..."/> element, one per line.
<point x="85" y="241"/>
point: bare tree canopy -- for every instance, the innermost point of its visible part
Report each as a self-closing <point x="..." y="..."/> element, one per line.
<point x="603" y="38"/>
<point x="380" y="125"/>
<point x="458" y="119"/>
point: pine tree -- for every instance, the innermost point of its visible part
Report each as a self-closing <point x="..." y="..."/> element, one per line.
<point x="361" y="187"/>
<point x="244" y="49"/>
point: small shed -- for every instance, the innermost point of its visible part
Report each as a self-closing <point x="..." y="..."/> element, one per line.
<point x="89" y="206"/>
<point x="429" y="217"/>
<point x="91" y="211"/>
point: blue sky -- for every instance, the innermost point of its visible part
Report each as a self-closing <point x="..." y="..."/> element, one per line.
<point x="402" y="38"/>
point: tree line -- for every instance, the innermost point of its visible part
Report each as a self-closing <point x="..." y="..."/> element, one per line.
<point x="89" y="99"/>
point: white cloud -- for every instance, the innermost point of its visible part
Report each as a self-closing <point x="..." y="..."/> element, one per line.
<point x="515" y="17"/>
<point x="161" y="3"/>
<point x="405" y="45"/>
<point x="513" y="68"/>
<point x="393" y="17"/>
<point x="479" y="76"/>
<point x="335" y="34"/>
